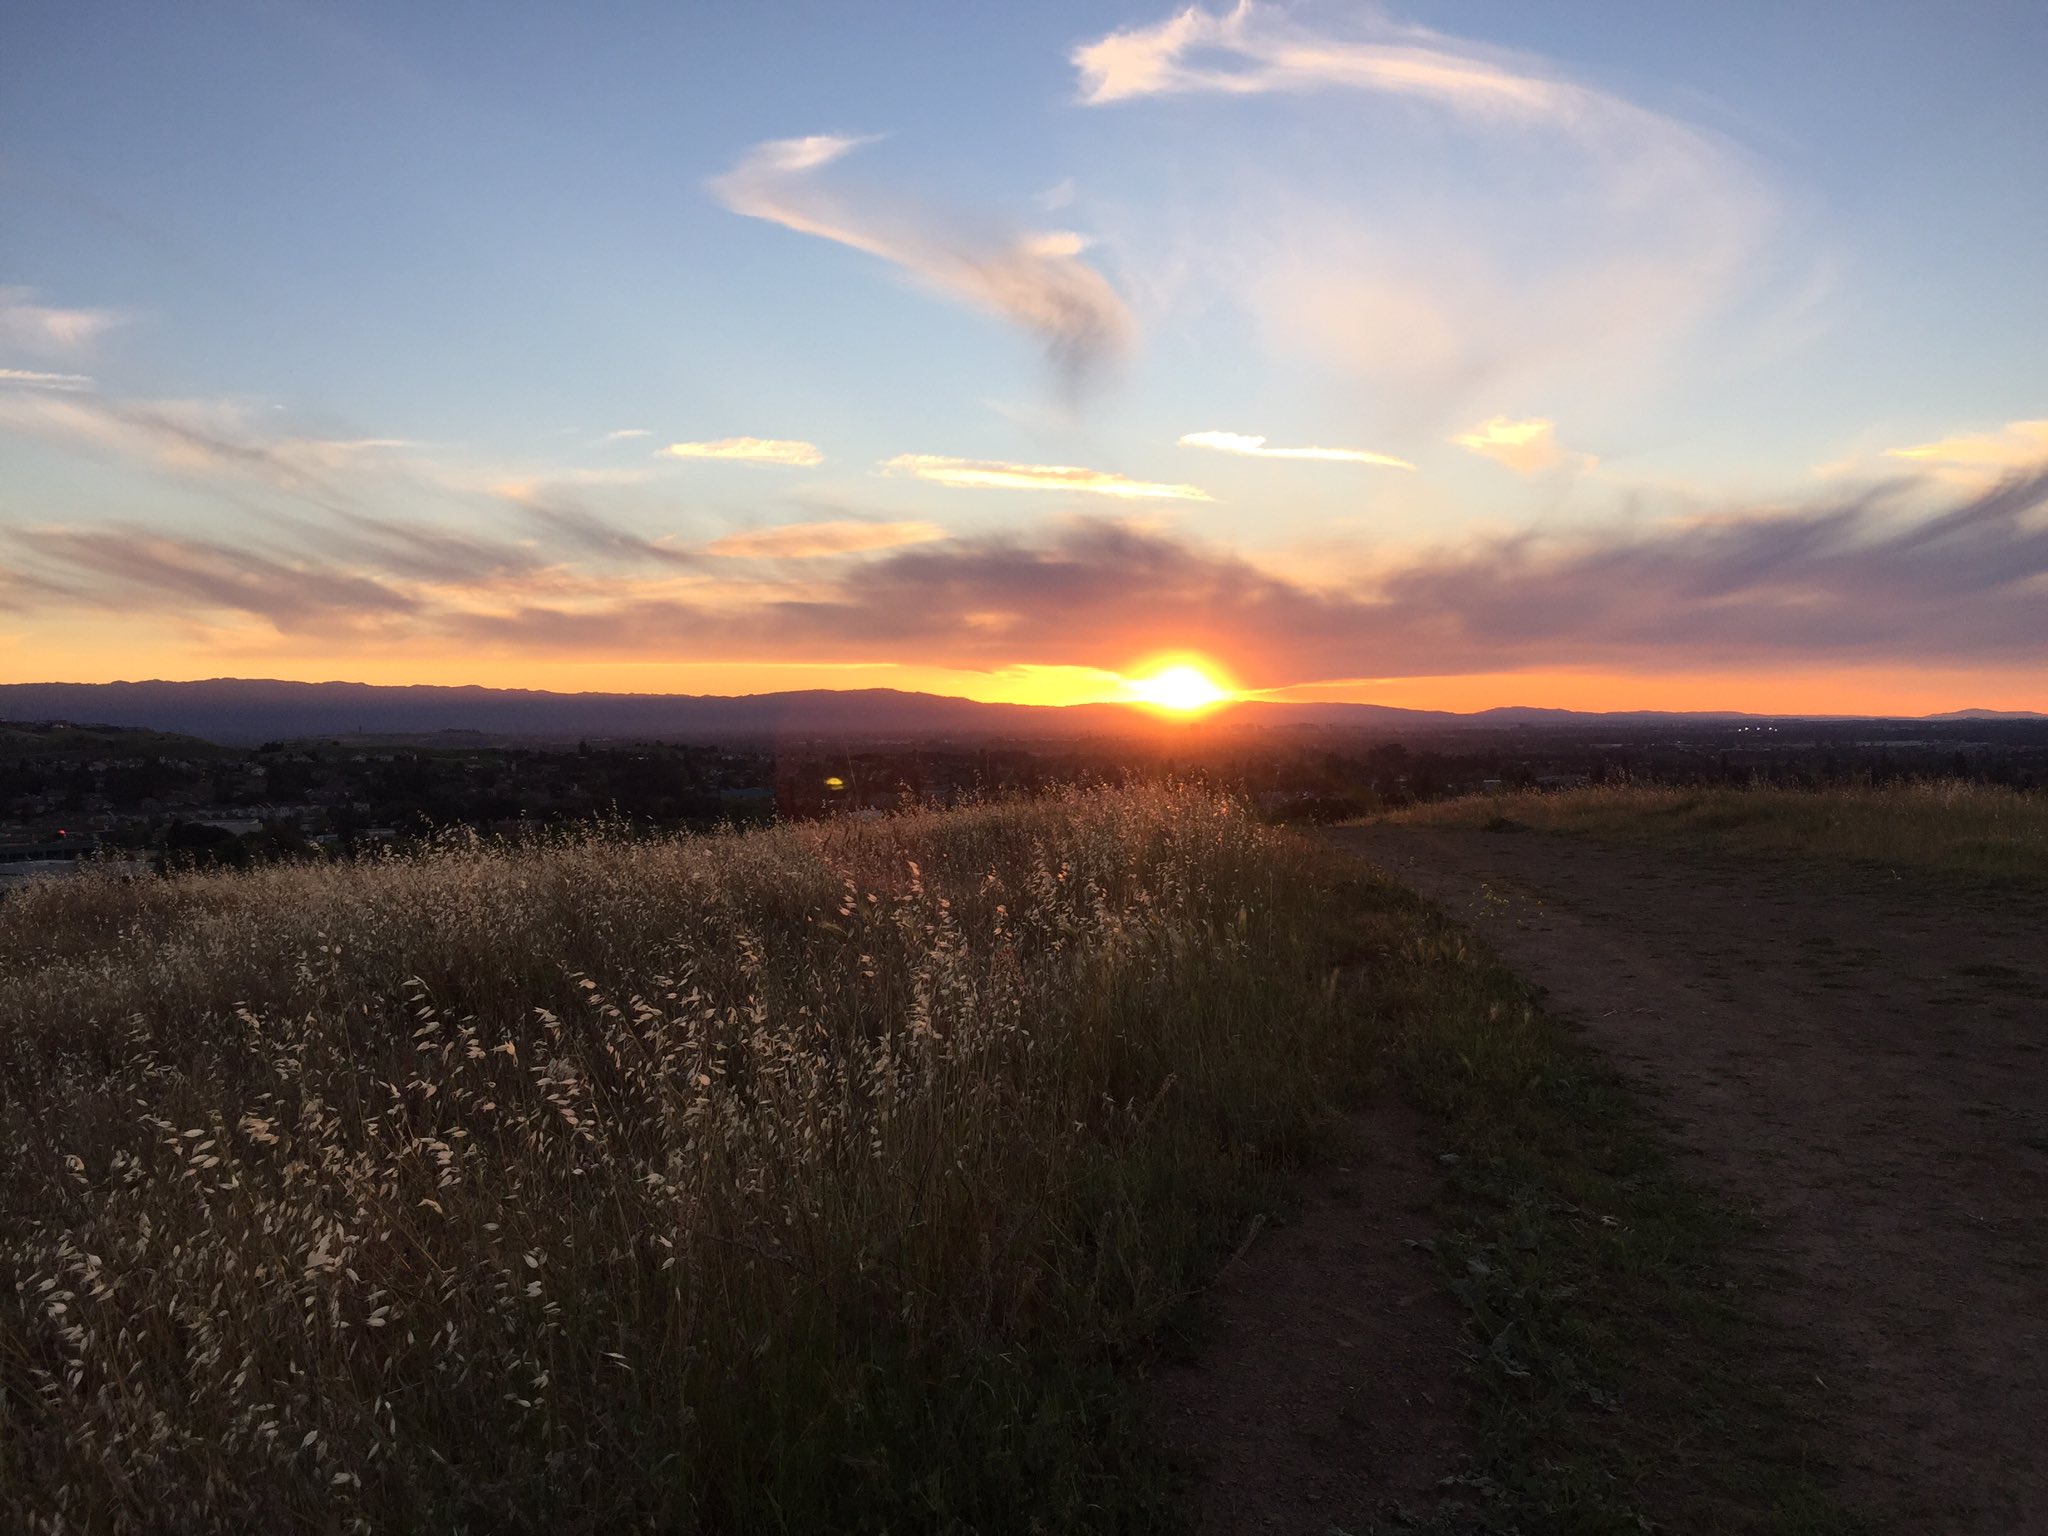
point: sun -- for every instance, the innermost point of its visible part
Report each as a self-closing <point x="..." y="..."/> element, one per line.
<point x="1183" y="688"/>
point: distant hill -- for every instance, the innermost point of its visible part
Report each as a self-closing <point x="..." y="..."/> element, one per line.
<point x="244" y="710"/>
<point x="103" y="739"/>
<point x="1989" y="714"/>
<point x="249" y="710"/>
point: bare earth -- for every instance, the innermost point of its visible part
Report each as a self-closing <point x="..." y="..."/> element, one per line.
<point x="1861" y="1059"/>
<point x="1329" y="1397"/>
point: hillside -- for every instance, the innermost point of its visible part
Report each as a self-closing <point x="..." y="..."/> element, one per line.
<point x="721" y="1183"/>
<point x="848" y="1175"/>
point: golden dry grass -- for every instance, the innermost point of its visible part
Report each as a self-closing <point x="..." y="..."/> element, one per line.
<point x="1942" y="824"/>
<point x="808" y="1179"/>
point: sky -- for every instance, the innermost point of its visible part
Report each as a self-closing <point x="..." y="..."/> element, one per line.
<point x="1450" y="355"/>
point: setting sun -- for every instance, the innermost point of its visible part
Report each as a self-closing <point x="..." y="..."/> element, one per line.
<point x="1183" y="687"/>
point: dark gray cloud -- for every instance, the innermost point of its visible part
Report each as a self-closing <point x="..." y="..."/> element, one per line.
<point x="579" y="530"/>
<point x="1851" y="582"/>
<point x="132" y="568"/>
<point x="1856" y="581"/>
<point x="421" y="551"/>
<point x="1037" y="282"/>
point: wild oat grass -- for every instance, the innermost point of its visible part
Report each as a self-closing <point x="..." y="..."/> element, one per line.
<point x="1948" y="824"/>
<point x="798" y="1180"/>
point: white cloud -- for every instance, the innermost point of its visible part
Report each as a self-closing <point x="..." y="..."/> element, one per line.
<point x="1253" y="49"/>
<point x="1037" y="281"/>
<point x="1973" y="460"/>
<point x="46" y="329"/>
<point x="1057" y="196"/>
<point x="216" y="439"/>
<point x="528" y="485"/>
<point x="1255" y="448"/>
<point x="750" y="450"/>
<point x="2016" y="445"/>
<point x="809" y="541"/>
<point x="625" y="432"/>
<point x="29" y="378"/>
<point x="989" y="475"/>
<point x="1490" y="225"/>
<point x="1527" y="447"/>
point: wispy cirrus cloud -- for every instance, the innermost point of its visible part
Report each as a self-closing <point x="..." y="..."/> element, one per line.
<point x="1547" y="229"/>
<point x="49" y="329"/>
<point x="750" y="450"/>
<point x="1258" y="448"/>
<point x="393" y="551"/>
<point x="810" y="541"/>
<point x="1845" y="581"/>
<point x="994" y="475"/>
<point x="1528" y="446"/>
<point x="189" y="437"/>
<point x="1838" y="583"/>
<point x="624" y="433"/>
<point x="579" y="531"/>
<point x="131" y="568"/>
<point x="1252" y="49"/>
<point x="30" y="378"/>
<point x="338" y="572"/>
<point x="532" y="485"/>
<point x="1978" y="457"/>
<point x="1035" y="281"/>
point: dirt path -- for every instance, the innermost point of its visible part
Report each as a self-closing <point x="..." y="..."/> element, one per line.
<point x="1328" y="1396"/>
<point x="1862" y="1060"/>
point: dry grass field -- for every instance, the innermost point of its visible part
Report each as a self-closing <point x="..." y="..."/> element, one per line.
<point x="1925" y="824"/>
<point x="839" y="1177"/>
<point x="807" y="1179"/>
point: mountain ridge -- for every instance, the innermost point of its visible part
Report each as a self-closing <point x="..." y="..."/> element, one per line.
<point x="241" y="710"/>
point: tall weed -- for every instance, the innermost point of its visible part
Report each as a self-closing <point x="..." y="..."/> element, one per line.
<point x="808" y="1179"/>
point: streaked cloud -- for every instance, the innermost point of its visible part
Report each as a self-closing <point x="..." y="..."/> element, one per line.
<point x="1035" y="281"/>
<point x="126" y="568"/>
<point x="585" y="533"/>
<point x="2016" y="445"/>
<point x="623" y="433"/>
<point x="192" y="437"/>
<point x="1527" y="447"/>
<point x="29" y="378"/>
<point x="408" y="552"/>
<point x="750" y="450"/>
<point x="808" y="541"/>
<point x="45" y="328"/>
<point x="1855" y="580"/>
<point x="1257" y="448"/>
<point x="1836" y="583"/>
<point x="1254" y="48"/>
<point x="1565" y="237"/>
<point x="530" y="485"/>
<point x="992" y="475"/>
<point x="1057" y="196"/>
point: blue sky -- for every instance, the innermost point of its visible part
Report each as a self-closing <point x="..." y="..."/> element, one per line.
<point x="289" y="294"/>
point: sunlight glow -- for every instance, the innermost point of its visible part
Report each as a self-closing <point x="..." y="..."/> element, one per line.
<point x="1184" y="687"/>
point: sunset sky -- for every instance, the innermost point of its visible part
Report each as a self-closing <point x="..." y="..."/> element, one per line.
<point x="1458" y="354"/>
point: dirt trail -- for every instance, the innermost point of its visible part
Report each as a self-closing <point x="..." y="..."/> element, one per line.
<point x="1329" y="1396"/>
<point x="1859" y="1057"/>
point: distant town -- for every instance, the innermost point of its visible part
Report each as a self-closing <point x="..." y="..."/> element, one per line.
<point x="75" y="794"/>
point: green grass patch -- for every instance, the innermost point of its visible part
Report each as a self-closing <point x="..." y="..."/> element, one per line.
<point x="1625" y="1376"/>
<point x="1933" y="824"/>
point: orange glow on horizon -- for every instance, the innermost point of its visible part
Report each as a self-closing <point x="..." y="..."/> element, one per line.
<point x="1176" y="683"/>
<point x="105" y="647"/>
<point x="1179" y="686"/>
